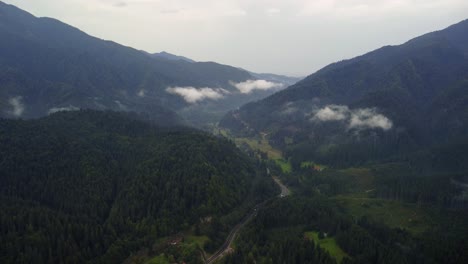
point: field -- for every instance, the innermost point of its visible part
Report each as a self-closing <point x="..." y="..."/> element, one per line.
<point x="272" y="153"/>
<point x="329" y="244"/>
<point x="261" y="145"/>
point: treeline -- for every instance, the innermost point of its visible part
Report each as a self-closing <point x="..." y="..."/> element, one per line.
<point x="435" y="176"/>
<point x="277" y="235"/>
<point x="404" y="184"/>
<point x="90" y="186"/>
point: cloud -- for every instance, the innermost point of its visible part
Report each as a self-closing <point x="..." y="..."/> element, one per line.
<point x="193" y="95"/>
<point x="141" y="93"/>
<point x="369" y="118"/>
<point x="121" y="106"/>
<point x="60" y="109"/>
<point x="251" y="85"/>
<point x="332" y="113"/>
<point x="289" y="110"/>
<point x="361" y="118"/>
<point x="18" y="106"/>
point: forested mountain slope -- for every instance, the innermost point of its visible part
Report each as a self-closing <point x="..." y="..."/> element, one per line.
<point x="48" y="66"/>
<point x="88" y="186"/>
<point x="391" y="101"/>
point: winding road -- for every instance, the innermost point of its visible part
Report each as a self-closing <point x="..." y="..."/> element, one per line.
<point x="284" y="190"/>
<point x="226" y="247"/>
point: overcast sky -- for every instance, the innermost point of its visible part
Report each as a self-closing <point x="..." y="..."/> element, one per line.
<point x="295" y="37"/>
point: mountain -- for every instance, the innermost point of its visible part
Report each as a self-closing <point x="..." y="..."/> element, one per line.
<point x="389" y="102"/>
<point x="90" y="187"/>
<point x="286" y="80"/>
<point x="48" y="66"/>
<point x="169" y="56"/>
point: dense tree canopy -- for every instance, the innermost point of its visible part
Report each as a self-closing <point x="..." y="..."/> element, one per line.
<point x="92" y="186"/>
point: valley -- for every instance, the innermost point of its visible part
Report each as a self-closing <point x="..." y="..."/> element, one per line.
<point x="354" y="192"/>
<point x="116" y="154"/>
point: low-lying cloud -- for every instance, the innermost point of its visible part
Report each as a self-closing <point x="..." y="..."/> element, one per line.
<point x="141" y="93"/>
<point x="360" y="118"/>
<point x="332" y="113"/>
<point x="121" y="106"/>
<point x="17" y="105"/>
<point x="194" y="95"/>
<point x="60" y="109"/>
<point x="251" y="85"/>
<point x="369" y="118"/>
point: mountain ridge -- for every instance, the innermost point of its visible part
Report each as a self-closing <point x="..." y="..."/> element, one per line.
<point x="343" y="102"/>
<point x="47" y="65"/>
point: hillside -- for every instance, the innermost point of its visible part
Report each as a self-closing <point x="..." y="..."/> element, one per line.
<point x="169" y="56"/>
<point x="48" y="66"/>
<point x="386" y="103"/>
<point x="88" y="186"/>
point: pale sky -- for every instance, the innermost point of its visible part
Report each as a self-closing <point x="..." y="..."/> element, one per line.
<point x="295" y="37"/>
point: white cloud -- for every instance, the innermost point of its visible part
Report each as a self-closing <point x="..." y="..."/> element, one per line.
<point x="18" y="106"/>
<point x="369" y="118"/>
<point x="332" y="113"/>
<point x="141" y="93"/>
<point x="361" y="118"/>
<point x="121" y="106"/>
<point x="251" y="85"/>
<point x="60" y="109"/>
<point x="193" y="95"/>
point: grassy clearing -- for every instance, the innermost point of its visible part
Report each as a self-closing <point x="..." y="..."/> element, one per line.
<point x="307" y="164"/>
<point x="261" y="145"/>
<point x="311" y="164"/>
<point x="284" y="165"/>
<point x="161" y="259"/>
<point x="394" y="214"/>
<point x="200" y="241"/>
<point x="272" y="153"/>
<point x="223" y="132"/>
<point x="329" y="244"/>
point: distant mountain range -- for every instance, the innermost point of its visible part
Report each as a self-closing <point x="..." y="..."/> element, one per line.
<point x="48" y="66"/>
<point x="391" y="101"/>
<point x="286" y="80"/>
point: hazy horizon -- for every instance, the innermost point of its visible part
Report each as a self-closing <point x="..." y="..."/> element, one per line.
<point x="294" y="38"/>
